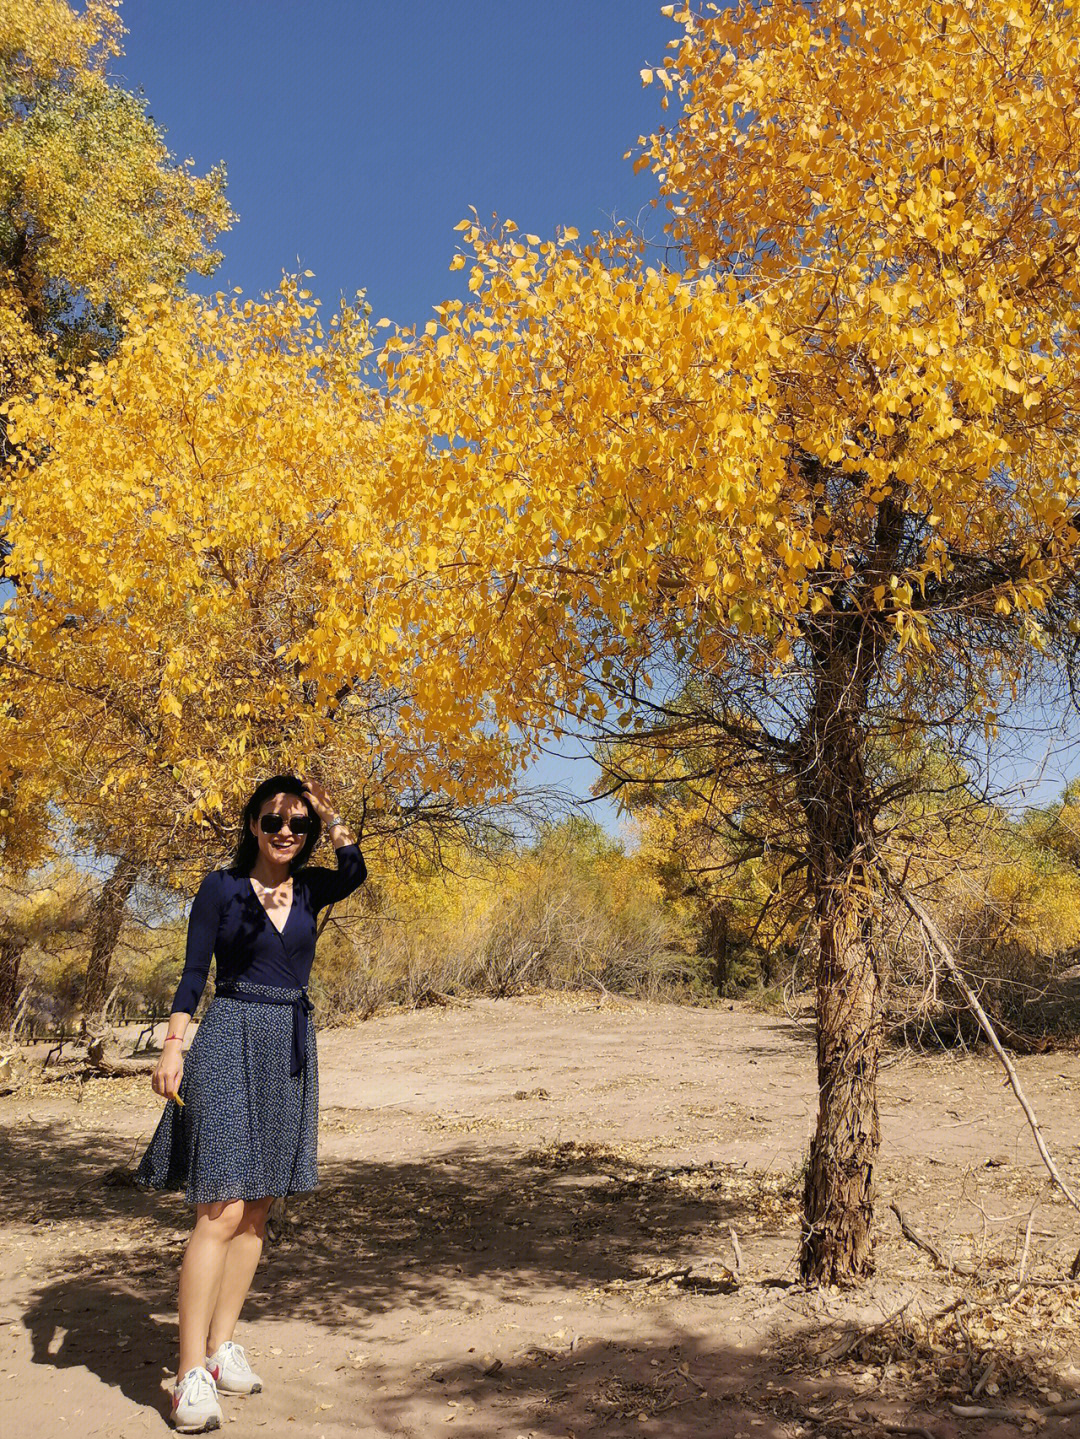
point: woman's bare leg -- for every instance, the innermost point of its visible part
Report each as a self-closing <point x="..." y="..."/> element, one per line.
<point x="241" y="1261"/>
<point x="201" y="1275"/>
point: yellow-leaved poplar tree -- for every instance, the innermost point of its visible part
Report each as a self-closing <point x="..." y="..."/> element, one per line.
<point x="826" y="466"/>
<point x="92" y="205"/>
<point x="215" y="585"/>
<point x="93" y="208"/>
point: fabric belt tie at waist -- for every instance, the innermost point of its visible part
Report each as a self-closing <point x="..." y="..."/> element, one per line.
<point x="301" y="1008"/>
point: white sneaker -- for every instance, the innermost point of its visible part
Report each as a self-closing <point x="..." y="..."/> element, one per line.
<point x="194" y="1406"/>
<point x="231" y="1371"/>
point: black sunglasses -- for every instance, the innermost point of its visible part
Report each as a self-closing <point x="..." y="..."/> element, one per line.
<point x="273" y="823"/>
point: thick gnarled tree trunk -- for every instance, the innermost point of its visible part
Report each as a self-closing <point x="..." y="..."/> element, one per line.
<point x="837" y="801"/>
<point x="839" y="1193"/>
<point x="104" y="931"/>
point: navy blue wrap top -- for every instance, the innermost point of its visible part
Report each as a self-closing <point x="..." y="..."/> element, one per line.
<point x="228" y="921"/>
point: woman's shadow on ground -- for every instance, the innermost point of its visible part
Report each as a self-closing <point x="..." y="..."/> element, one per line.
<point x="96" y="1322"/>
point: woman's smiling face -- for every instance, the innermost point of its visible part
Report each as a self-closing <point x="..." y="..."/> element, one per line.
<point x="283" y="847"/>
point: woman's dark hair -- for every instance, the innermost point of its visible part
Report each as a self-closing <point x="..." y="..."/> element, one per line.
<point x="247" y="846"/>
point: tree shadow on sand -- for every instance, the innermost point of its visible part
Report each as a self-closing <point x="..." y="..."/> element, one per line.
<point x="459" y="1234"/>
<point x="452" y="1233"/>
<point x="378" y="1234"/>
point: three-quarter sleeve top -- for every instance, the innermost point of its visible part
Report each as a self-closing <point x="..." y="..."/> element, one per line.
<point x="228" y="921"/>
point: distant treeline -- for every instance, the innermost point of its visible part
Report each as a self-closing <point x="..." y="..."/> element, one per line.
<point x="674" y="915"/>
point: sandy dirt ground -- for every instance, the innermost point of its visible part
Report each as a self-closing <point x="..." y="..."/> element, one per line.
<point x="527" y="1226"/>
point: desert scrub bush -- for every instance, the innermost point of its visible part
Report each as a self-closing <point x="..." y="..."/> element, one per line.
<point x="571" y="910"/>
<point x="574" y="910"/>
<point x="1010" y="906"/>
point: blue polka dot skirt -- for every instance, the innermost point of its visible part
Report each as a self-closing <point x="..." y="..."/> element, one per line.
<point x="248" y="1127"/>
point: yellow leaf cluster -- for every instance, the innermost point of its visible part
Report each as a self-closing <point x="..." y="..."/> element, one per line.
<point x="855" y="397"/>
<point x="92" y="205"/>
<point x="865" y="371"/>
<point x="218" y="576"/>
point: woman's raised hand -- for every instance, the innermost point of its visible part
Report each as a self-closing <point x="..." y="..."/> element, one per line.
<point x="319" y="799"/>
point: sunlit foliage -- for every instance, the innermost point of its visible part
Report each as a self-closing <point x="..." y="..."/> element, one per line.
<point x="217" y="584"/>
<point x="92" y="205"/>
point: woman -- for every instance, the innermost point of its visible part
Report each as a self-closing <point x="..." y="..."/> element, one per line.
<point x="242" y="1127"/>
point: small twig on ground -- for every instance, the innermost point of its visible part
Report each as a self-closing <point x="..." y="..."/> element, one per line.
<point x="984" y="1379"/>
<point x="960" y="1266"/>
<point x="855" y="1336"/>
<point x="962" y="1303"/>
<point x="966" y="1337"/>
<point x="674" y="1171"/>
<point x="1064" y="1282"/>
<point x="1022" y="1270"/>
<point x="660" y="1278"/>
<point x="674" y="1403"/>
<point x="983" y="1411"/>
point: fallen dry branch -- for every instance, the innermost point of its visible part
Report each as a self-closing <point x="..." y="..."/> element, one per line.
<point x="888" y="1427"/>
<point x="912" y="1235"/>
<point x="854" y="1337"/>
<point x="101" y="1055"/>
<point x="736" y="1249"/>
<point x="99" y="1060"/>
<point x="1030" y="1413"/>
<point x="661" y="1278"/>
<point x="936" y="938"/>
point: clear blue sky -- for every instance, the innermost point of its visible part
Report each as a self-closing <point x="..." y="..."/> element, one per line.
<point x="357" y="133"/>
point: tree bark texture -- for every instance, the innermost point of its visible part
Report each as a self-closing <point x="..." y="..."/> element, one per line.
<point x="718" y="948"/>
<point x="105" y="930"/>
<point x="11" y="953"/>
<point x="837" y="802"/>
<point x="838" y="1201"/>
